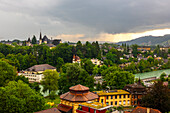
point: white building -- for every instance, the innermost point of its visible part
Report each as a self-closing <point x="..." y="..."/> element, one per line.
<point x="96" y="61"/>
<point x="35" y="73"/>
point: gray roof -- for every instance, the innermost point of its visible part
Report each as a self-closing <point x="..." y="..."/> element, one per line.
<point x="41" y="67"/>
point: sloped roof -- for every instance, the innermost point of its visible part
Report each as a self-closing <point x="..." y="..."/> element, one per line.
<point x="41" y="67"/>
<point x="79" y="93"/>
<point x="64" y="108"/>
<point x="139" y="109"/>
<point x="51" y="110"/>
<point x="79" y="87"/>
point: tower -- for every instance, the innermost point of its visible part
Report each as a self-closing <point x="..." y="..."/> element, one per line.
<point x="40" y="40"/>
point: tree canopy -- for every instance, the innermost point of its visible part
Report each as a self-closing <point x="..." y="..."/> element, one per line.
<point x="158" y="97"/>
<point x="7" y="73"/>
<point x="50" y="80"/>
<point x="18" y="97"/>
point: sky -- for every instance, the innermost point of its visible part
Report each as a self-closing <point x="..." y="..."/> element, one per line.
<point x="84" y="20"/>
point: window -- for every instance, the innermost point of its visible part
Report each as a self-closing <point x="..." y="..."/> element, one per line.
<point x="119" y="96"/>
<point x="107" y="97"/>
<point x="107" y="103"/>
<point x="134" y="102"/>
<point x="115" y="102"/>
<point x="115" y="96"/>
<point x="124" y="96"/>
<point x="101" y="100"/>
<point x="111" y="103"/>
<point x="128" y="96"/>
<point x="124" y="102"/>
<point x="135" y="96"/>
<point x="128" y="102"/>
<point x="111" y="97"/>
<point x="120" y="102"/>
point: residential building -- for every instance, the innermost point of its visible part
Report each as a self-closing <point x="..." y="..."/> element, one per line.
<point x="77" y="95"/>
<point x="137" y="90"/>
<point x="139" y="109"/>
<point x="114" y="97"/>
<point x="96" y="61"/>
<point x="35" y="73"/>
<point x="51" y="110"/>
<point x="76" y="59"/>
<point x="93" y="107"/>
<point x="144" y="48"/>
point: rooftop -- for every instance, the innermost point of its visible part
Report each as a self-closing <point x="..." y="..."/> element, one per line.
<point x="95" y="105"/>
<point x="79" y="87"/>
<point x="51" y="110"/>
<point x="41" y="67"/>
<point x="111" y="92"/>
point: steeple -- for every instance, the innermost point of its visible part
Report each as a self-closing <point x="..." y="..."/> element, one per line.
<point x="40" y="36"/>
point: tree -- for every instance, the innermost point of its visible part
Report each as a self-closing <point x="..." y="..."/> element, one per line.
<point x="34" y="40"/>
<point x="50" y="80"/>
<point x="162" y="77"/>
<point x="2" y="55"/>
<point x="7" y="73"/>
<point x="60" y="62"/>
<point x="72" y="75"/>
<point x="18" y="97"/>
<point x="119" y="79"/>
<point x="88" y="66"/>
<point x="157" y="98"/>
<point x="98" y="86"/>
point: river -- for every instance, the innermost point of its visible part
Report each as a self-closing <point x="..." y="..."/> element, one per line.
<point x="152" y="74"/>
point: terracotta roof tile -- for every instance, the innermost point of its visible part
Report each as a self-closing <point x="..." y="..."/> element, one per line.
<point x="139" y="109"/>
<point x="52" y="110"/>
<point x="64" y="108"/>
<point x="79" y="87"/>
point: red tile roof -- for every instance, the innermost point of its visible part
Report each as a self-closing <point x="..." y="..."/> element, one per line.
<point x="52" y="110"/>
<point x="79" y="93"/>
<point x="139" y="109"/>
<point x="79" y="87"/>
<point x="64" y="108"/>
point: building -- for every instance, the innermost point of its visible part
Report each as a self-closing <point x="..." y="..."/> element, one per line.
<point x="139" y="109"/>
<point x="165" y="49"/>
<point x="137" y="90"/>
<point x="28" y="42"/>
<point x="77" y="95"/>
<point x="144" y="48"/>
<point x="114" y="97"/>
<point x="51" y="110"/>
<point x="76" y="59"/>
<point x="96" y="61"/>
<point x="34" y="73"/>
<point x="93" y="107"/>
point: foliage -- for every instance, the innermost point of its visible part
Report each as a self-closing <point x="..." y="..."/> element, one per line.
<point x="34" y="40"/>
<point x="50" y="80"/>
<point x="158" y="97"/>
<point x="52" y="95"/>
<point x="74" y="75"/>
<point x="18" y="97"/>
<point x="88" y="66"/>
<point x="116" y="78"/>
<point x="7" y="73"/>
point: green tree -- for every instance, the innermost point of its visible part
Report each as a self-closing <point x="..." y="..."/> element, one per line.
<point x="50" y="80"/>
<point x="162" y="77"/>
<point x="72" y="75"/>
<point x="98" y="86"/>
<point x="34" y="40"/>
<point x="158" y="98"/>
<point x="2" y="55"/>
<point x="60" y="62"/>
<point x="7" y="73"/>
<point x="88" y="66"/>
<point x="18" y="97"/>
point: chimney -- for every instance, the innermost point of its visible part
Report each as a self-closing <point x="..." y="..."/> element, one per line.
<point x="148" y="110"/>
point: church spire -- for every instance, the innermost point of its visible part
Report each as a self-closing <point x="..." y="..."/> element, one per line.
<point x="40" y="36"/>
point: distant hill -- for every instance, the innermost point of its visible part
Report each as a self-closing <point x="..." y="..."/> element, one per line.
<point x="149" y="40"/>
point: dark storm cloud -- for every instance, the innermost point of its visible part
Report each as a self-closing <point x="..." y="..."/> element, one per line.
<point x="86" y="16"/>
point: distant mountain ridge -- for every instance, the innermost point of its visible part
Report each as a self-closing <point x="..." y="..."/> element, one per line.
<point x="150" y="40"/>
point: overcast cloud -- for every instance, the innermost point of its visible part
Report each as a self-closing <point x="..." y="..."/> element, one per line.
<point x="89" y="19"/>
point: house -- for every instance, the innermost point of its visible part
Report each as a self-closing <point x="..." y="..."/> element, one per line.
<point x="139" y="109"/>
<point x="93" y="107"/>
<point x="114" y="97"/>
<point x="76" y="59"/>
<point x="51" y="110"/>
<point x="35" y="73"/>
<point x="96" y="61"/>
<point x="78" y="94"/>
<point x="137" y="90"/>
<point x="164" y="48"/>
<point x="144" y="48"/>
